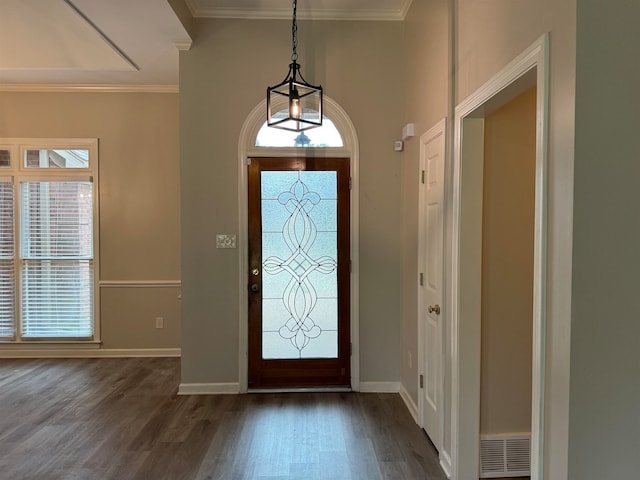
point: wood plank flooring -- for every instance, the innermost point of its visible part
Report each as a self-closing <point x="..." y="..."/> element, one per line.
<point x="121" y="419"/>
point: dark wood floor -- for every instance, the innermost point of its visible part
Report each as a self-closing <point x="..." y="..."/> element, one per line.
<point x="121" y="419"/>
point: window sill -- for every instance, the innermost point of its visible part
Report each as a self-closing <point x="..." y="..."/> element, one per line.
<point x="49" y="344"/>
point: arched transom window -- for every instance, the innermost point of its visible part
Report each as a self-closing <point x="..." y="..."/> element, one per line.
<point x="326" y="136"/>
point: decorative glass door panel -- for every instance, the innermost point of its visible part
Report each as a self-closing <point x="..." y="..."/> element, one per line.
<point x="299" y="251"/>
<point x="299" y="278"/>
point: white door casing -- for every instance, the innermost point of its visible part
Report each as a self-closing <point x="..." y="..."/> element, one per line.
<point x="430" y="322"/>
<point x="529" y="68"/>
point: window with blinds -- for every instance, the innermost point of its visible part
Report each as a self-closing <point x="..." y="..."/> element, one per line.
<point x="56" y="246"/>
<point x="7" y="269"/>
<point x="48" y="243"/>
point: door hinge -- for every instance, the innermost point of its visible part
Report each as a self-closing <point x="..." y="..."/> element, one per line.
<point x="349" y="266"/>
<point x="249" y="162"/>
<point x="350" y="183"/>
<point x="422" y="279"/>
<point x="422" y="176"/>
<point x="350" y="349"/>
<point x="421" y="381"/>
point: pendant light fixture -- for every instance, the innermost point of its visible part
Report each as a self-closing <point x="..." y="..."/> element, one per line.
<point x="294" y="104"/>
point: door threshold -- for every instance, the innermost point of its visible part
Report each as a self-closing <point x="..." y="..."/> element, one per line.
<point x="301" y="390"/>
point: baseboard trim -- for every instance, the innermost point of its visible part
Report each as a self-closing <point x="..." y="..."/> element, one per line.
<point x="380" y="387"/>
<point x="208" y="388"/>
<point x="445" y="463"/>
<point x="90" y="353"/>
<point x="408" y="401"/>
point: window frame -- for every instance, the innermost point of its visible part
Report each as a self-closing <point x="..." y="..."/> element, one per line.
<point x="10" y="179"/>
<point x="20" y="173"/>
<point x="5" y="171"/>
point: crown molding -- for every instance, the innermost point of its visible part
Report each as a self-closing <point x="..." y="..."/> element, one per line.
<point x="404" y="9"/>
<point x="71" y="88"/>
<point x="183" y="46"/>
<point x="311" y="14"/>
<point x="285" y="14"/>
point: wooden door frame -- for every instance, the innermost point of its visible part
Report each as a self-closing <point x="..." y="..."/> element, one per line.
<point x="530" y="68"/>
<point x="246" y="150"/>
<point x="288" y="373"/>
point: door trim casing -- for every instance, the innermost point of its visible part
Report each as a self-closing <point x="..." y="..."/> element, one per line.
<point x="529" y="68"/>
<point x="246" y="150"/>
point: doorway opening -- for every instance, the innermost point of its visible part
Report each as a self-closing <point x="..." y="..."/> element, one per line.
<point x="530" y="69"/>
<point x="507" y="288"/>
<point x="298" y="217"/>
<point x="340" y="142"/>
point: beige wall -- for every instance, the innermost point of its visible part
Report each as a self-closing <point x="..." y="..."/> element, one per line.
<point x="222" y="78"/>
<point x="139" y="198"/>
<point x="507" y="266"/>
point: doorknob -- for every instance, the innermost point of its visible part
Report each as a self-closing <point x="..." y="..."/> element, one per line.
<point x="255" y="288"/>
<point x="435" y="309"/>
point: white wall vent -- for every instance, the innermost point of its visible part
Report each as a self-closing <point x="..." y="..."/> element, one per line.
<point x="505" y="456"/>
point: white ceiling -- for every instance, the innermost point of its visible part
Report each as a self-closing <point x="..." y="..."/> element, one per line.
<point x="89" y="42"/>
<point x="57" y="43"/>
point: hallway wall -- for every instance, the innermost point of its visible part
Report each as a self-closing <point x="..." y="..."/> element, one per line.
<point x="222" y="78"/>
<point x="486" y="36"/>
<point x="605" y="358"/>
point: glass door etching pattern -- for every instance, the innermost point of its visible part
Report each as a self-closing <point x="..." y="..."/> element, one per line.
<point x="299" y="248"/>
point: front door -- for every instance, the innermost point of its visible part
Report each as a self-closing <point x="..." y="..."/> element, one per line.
<point x="299" y="333"/>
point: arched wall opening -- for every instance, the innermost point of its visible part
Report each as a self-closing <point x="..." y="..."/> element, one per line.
<point x="247" y="149"/>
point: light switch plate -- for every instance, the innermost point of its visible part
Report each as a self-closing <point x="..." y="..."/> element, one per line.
<point x="225" y="241"/>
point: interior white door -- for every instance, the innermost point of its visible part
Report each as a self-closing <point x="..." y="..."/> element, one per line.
<point x="430" y="324"/>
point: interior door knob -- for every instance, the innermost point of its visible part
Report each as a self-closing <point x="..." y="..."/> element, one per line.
<point x="435" y="309"/>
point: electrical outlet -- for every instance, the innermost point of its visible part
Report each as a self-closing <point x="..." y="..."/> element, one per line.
<point x="159" y="322"/>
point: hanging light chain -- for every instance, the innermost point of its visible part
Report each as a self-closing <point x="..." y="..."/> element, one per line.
<point x="294" y="34"/>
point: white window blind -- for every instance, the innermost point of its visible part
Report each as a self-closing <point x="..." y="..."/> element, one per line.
<point x="56" y="245"/>
<point x="7" y="269"/>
